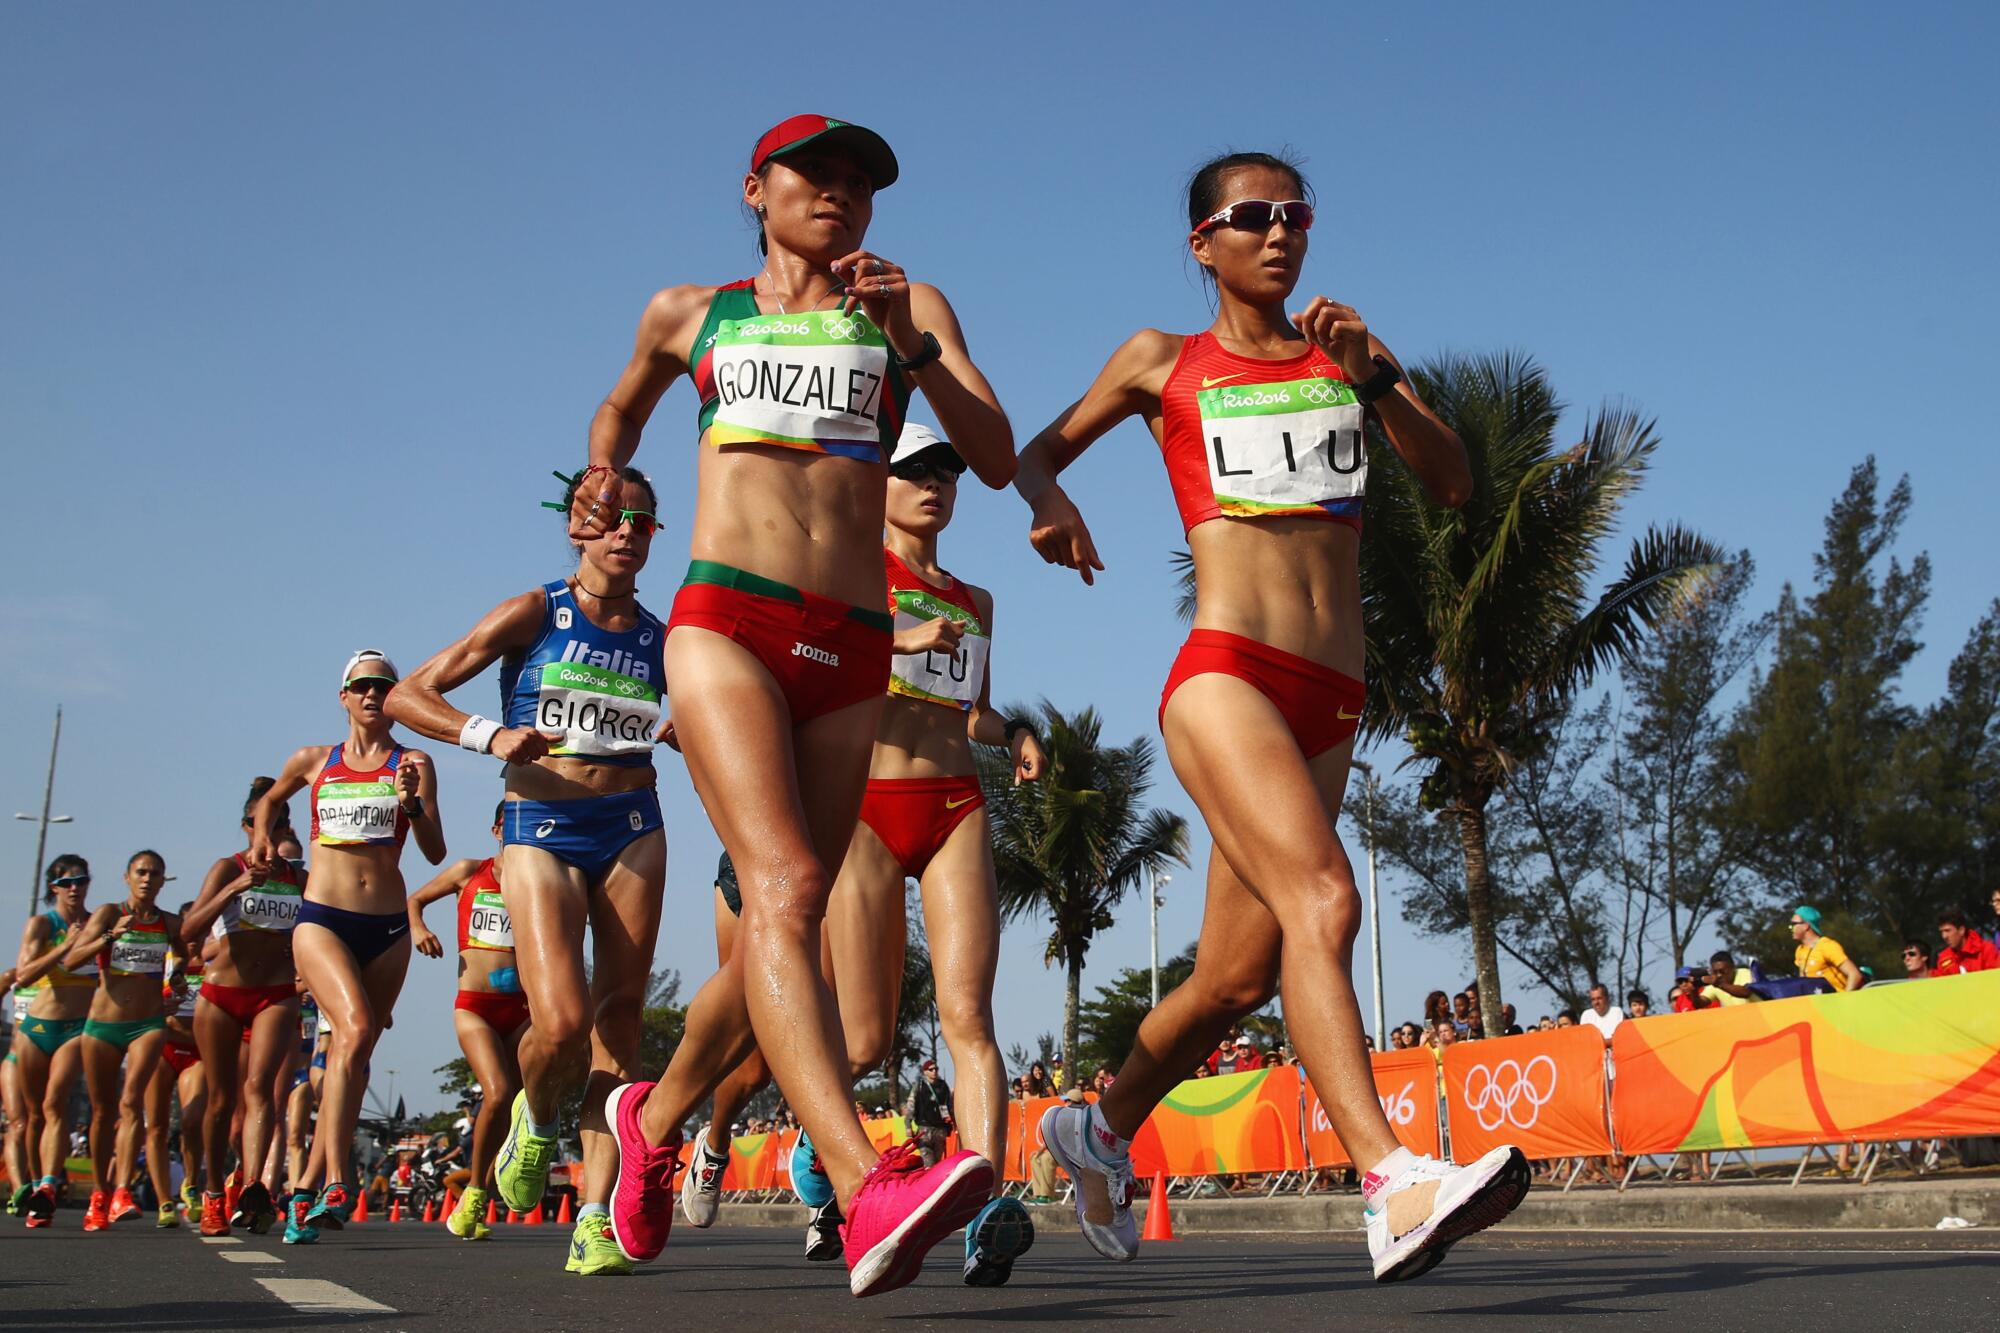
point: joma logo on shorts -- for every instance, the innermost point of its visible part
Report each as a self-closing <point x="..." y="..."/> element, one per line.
<point x="820" y="655"/>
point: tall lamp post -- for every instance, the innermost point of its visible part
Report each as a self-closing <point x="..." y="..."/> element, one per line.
<point x="44" y="820"/>
<point x="1374" y="906"/>
<point x="1158" y="882"/>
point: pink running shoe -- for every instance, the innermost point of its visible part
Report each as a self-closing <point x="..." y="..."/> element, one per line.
<point x="902" y="1209"/>
<point x="642" y="1194"/>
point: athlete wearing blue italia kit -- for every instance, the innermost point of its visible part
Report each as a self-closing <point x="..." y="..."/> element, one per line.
<point x="582" y="843"/>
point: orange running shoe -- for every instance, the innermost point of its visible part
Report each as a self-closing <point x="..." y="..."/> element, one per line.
<point x="96" y="1217"/>
<point x="214" y="1215"/>
<point x="123" y="1205"/>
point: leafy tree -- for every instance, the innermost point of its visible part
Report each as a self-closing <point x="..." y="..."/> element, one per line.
<point x="1481" y="625"/>
<point x="1072" y="845"/>
<point x="1671" y="772"/>
<point x="1109" y="1021"/>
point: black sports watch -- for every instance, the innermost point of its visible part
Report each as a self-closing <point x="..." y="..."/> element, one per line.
<point x="1015" y="724"/>
<point x="1385" y="378"/>
<point x="930" y="352"/>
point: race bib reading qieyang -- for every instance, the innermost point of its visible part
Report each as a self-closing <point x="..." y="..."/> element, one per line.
<point x="953" y="678"/>
<point x="814" y="380"/>
<point x="600" y="712"/>
<point x="1283" y="448"/>
<point x="488" y="926"/>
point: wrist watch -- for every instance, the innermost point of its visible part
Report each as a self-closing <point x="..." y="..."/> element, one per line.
<point x="929" y="352"/>
<point x="1385" y="378"/>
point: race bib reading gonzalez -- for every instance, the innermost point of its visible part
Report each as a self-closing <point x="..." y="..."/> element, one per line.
<point x="351" y="812"/>
<point x="952" y="679"/>
<point x="1283" y="448"/>
<point x="270" y="906"/>
<point x="487" y="925"/>
<point x="813" y="380"/>
<point x="601" y="713"/>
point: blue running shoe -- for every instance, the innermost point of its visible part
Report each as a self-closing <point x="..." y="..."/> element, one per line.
<point x="1002" y="1233"/>
<point x="809" y="1180"/>
<point x="331" y="1210"/>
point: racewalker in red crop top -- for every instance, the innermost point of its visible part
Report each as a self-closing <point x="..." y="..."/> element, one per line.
<point x="800" y="403"/>
<point x="1259" y="421"/>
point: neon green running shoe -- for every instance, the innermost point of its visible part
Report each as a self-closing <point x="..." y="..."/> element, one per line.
<point x="592" y="1252"/>
<point x="521" y="1172"/>
<point x="18" y="1203"/>
<point x="468" y="1219"/>
<point x="191" y="1199"/>
<point x="167" y="1216"/>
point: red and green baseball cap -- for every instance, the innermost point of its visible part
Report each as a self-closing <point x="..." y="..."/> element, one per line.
<point x="870" y="149"/>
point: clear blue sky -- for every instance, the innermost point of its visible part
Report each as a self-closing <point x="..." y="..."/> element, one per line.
<point x="301" y="305"/>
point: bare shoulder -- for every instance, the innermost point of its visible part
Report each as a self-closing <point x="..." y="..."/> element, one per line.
<point x="673" y="315"/>
<point x="1144" y="360"/>
<point x="981" y="599"/>
<point x="307" y="759"/>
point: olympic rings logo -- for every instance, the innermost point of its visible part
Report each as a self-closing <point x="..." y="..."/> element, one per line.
<point x="1320" y="394"/>
<point x="846" y="328"/>
<point x="631" y="689"/>
<point x="1497" y="1094"/>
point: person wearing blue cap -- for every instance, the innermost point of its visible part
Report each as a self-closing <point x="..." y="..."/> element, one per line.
<point x="1818" y="956"/>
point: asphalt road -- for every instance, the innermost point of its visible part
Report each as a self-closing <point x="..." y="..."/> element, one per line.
<point x="381" y="1276"/>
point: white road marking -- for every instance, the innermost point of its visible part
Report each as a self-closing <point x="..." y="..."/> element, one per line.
<point x="318" y="1296"/>
<point x="220" y="1240"/>
<point x="250" y="1257"/>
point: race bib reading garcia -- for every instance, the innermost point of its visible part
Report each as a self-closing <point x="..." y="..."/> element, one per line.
<point x="601" y="713"/>
<point x="813" y="380"/>
<point x="1283" y="448"/>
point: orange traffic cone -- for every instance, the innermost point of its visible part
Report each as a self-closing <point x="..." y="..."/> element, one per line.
<point x="360" y="1207"/>
<point x="492" y="1213"/>
<point x="513" y="1216"/>
<point x="534" y="1217"/>
<point x="395" y="1210"/>
<point x="1159" y="1217"/>
<point x="431" y="1211"/>
<point x="564" y="1217"/>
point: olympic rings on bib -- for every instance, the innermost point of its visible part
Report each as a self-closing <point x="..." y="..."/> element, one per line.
<point x="847" y="328"/>
<point x="1320" y="394"/>
<point x="1495" y="1094"/>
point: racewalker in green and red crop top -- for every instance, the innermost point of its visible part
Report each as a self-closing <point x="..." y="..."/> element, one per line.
<point x="48" y="1057"/>
<point x="778" y="647"/>
<point x="127" y="1028"/>
<point x="351" y="942"/>
<point x="1259" y="421"/>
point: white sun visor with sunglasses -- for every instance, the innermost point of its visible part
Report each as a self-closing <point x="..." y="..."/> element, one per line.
<point x="915" y="439"/>
<point x="378" y="665"/>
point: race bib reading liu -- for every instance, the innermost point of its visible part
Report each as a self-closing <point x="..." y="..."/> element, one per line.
<point x="1283" y="448"/>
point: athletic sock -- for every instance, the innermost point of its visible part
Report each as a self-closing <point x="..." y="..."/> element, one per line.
<point x="1108" y="1143"/>
<point x="537" y="1128"/>
<point x="600" y="1209"/>
<point x="1374" y="1181"/>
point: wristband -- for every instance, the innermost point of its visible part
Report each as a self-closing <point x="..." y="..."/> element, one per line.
<point x="477" y="734"/>
<point x="1012" y="725"/>
<point x="930" y="351"/>
<point x="418" y="811"/>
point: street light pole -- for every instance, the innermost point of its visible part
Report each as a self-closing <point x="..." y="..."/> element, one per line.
<point x="46" y="819"/>
<point x="1155" y="882"/>
<point x="1374" y="905"/>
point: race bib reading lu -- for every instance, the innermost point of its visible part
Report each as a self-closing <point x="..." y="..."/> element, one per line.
<point x="813" y="380"/>
<point x="1278" y="448"/>
<point x="600" y="712"/>
<point x="488" y="926"/>
<point x="953" y="679"/>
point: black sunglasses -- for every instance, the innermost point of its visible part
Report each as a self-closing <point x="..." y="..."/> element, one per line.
<point x="363" y="684"/>
<point x="917" y="469"/>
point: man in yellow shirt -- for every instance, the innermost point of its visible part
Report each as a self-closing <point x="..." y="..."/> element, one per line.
<point x="1818" y="956"/>
<point x="1727" y="983"/>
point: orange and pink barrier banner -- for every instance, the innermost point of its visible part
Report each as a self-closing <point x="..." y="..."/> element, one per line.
<point x="1914" y="1060"/>
<point x="1910" y="1060"/>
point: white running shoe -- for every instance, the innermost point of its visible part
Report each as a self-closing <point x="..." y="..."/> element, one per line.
<point x="1436" y="1205"/>
<point x="1103" y="1182"/>
<point x="701" y="1195"/>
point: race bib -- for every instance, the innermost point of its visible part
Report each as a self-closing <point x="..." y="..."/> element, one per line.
<point x="953" y="679"/>
<point x="488" y="926"/>
<point x="22" y="999"/>
<point x="1280" y="448"/>
<point x="813" y="380"/>
<point x="141" y="951"/>
<point x="269" y="906"/>
<point x="184" y="1008"/>
<point x="352" y="812"/>
<point x="599" y="712"/>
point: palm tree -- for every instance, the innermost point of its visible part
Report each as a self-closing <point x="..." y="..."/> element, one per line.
<point x="1481" y="628"/>
<point x="1073" y="844"/>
